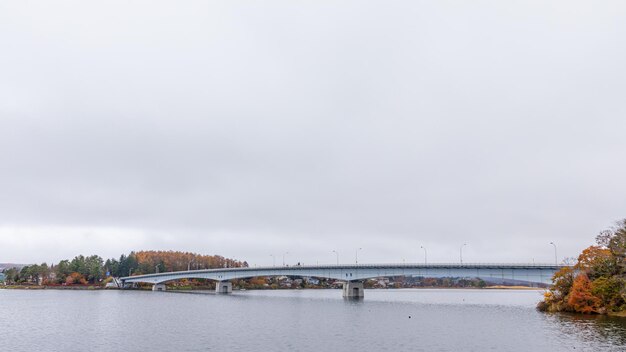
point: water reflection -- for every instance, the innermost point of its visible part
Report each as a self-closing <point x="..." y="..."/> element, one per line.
<point x="607" y="329"/>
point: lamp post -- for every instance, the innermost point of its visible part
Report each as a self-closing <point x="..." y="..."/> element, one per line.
<point x="273" y="259"/>
<point x="284" y="257"/>
<point x="356" y="255"/>
<point x="556" y="260"/>
<point x="461" y="252"/>
<point x="337" y="253"/>
<point x="425" y="255"/>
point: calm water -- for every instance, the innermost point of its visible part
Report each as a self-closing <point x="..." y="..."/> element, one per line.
<point x="302" y="320"/>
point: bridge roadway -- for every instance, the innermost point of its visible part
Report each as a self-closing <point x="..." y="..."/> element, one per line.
<point x="353" y="275"/>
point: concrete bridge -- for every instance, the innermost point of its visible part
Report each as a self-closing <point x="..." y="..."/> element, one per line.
<point x="353" y="276"/>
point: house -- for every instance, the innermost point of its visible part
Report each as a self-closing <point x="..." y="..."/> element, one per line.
<point x="312" y="281"/>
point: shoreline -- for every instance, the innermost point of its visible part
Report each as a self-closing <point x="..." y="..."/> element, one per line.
<point x="93" y="287"/>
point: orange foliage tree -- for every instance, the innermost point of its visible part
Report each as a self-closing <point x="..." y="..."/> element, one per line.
<point x="258" y="281"/>
<point x="581" y="298"/>
<point x="176" y="261"/>
<point x="75" y="278"/>
<point x="596" y="261"/>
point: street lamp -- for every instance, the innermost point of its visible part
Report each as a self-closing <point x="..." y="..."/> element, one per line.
<point x="273" y="259"/>
<point x="284" y="257"/>
<point x="337" y="253"/>
<point x="425" y="255"/>
<point x="356" y="256"/>
<point x="556" y="261"/>
<point x="461" y="252"/>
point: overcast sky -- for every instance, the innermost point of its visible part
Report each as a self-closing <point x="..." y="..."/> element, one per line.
<point x="247" y="128"/>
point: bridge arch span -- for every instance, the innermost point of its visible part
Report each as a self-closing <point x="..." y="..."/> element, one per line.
<point x="536" y="273"/>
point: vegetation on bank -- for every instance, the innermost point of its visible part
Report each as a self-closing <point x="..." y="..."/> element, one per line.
<point x="93" y="270"/>
<point x="596" y="284"/>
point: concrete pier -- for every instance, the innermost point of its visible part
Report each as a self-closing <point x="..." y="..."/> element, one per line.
<point x="158" y="287"/>
<point x="223" y="287"/>
<point x="353" y="289"/>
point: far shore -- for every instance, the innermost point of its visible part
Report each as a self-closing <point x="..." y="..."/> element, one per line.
<point x="200" y="288"/>
<point x="500" y="287"/>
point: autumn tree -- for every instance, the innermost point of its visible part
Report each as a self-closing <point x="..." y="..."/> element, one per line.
<point x="75" y="278"/>
<point x="608" y="290"/>
<point x="257" y="282"/>
<point x="597" y="282"/>
<point x="581" y="298"/>
<point x="596" y="261"/>
<point x="177" y="261"/>
<point x="556" y="298"/>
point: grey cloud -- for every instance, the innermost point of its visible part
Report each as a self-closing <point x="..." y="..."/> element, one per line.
<point x="247" y="129"/>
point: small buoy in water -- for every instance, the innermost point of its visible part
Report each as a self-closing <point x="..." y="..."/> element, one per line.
<point x="409" y="317"/>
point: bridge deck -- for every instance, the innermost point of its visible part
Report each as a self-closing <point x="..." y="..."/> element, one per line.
<point x="540" y="273"/>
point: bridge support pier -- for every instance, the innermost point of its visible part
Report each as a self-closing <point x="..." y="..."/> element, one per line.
<point x="223" y="287"/>
<point x="353" y="290"/>
<point x="158" y="287"/>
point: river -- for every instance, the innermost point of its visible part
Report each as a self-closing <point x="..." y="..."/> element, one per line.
<point x="296" y="320"/>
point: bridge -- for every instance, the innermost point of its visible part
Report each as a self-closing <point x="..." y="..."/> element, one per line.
<point x="353" y="276"/>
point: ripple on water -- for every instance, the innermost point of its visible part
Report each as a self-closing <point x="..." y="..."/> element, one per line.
<point x="300" y="320"/>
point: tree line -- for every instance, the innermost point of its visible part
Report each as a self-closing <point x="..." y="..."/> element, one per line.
<point x="596" y="284"/>
<point x="93" y="269"/>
